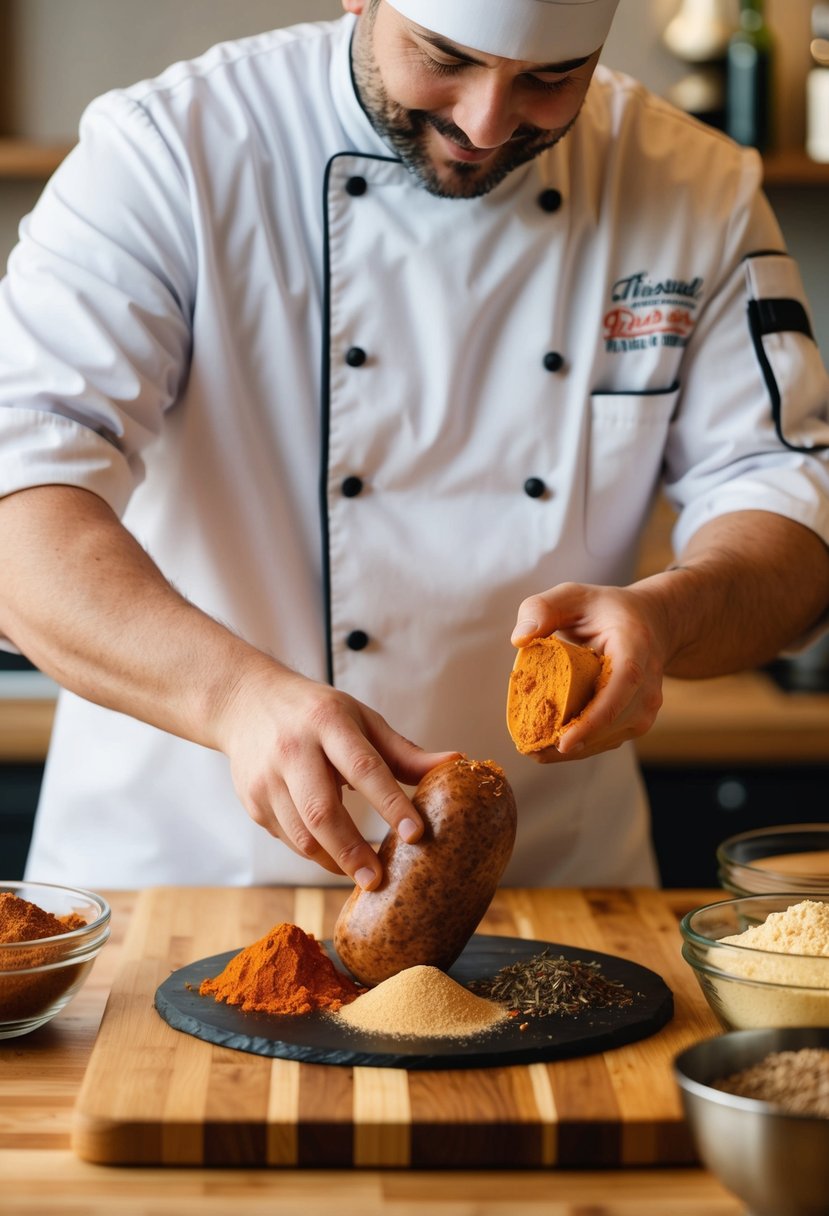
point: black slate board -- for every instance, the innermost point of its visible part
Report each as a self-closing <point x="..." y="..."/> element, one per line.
<point x="317" y="1038"/>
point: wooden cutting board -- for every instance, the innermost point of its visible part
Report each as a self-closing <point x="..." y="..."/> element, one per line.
<point x="153" y="1095"/>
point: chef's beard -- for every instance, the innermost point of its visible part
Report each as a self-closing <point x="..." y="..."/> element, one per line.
<point x="407" y="132"/>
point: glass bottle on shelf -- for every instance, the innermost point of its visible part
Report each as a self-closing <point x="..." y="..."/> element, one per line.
<point x="749" y="78"/>
<point x="698" y="35"/>
<point x="817" y="88"/>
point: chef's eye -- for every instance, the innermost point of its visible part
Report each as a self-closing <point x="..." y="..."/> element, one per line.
<point x="548" y="84"/>
<point x="441" y="67"/>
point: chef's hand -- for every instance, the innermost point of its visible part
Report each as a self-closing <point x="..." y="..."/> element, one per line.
<point x="293" y="745"/>
<point x="618" y="623"/>
<point x="733" y="600"/>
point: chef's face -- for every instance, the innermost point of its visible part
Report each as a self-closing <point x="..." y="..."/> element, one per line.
<point x="458" y="118"/>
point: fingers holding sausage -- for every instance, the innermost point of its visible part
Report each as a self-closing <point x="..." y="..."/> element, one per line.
<point x="295" y="745"/>
<point x="310" y="818"/>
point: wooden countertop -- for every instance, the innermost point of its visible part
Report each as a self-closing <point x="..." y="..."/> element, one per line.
<point x="739" y="719"/>
<point x="40" y="1076"/>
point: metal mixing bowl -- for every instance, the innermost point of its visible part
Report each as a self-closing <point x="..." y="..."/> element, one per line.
<point x="776" y="1162"/>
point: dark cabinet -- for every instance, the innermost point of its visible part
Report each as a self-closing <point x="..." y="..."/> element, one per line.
<point x="693" y="809"/>
<point x="19" y="791"/>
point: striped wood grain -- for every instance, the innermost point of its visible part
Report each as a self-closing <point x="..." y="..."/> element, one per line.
<point x="152" y="1095"/>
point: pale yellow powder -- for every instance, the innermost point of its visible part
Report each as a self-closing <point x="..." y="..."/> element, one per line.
<point x="421" y="1002"/>
<point x="797" y="975"/>
<point x="799" y="929"/>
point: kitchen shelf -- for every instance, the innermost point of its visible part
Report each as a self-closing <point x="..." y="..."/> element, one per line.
<point x="740" y="719"/>
<point x="792" y="167"/>
<point x="26" y="159"/>
<point x="25" y="729"/>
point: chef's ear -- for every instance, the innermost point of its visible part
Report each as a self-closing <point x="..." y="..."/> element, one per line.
<point x="354" y="6"/>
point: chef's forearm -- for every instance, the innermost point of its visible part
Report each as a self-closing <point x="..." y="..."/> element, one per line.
<point x="745" y="587"/>
<point x="86" y="604"/>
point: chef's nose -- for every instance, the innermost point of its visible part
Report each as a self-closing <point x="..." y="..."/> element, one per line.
<point x="485" y="112"/>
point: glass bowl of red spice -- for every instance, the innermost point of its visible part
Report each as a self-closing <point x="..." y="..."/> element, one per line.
<point x="49" y="939"/>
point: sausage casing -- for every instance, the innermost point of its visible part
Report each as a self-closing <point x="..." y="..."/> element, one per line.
<point x="435" y="892"/>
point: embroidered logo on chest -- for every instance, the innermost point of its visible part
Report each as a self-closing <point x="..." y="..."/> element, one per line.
<point x="647" y="312"/>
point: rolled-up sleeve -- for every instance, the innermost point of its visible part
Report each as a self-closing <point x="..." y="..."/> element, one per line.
<point x="751" y="431"/>
<point x="95" y="310"/>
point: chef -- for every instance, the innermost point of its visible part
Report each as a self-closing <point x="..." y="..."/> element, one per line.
<point x="337" y="362"/>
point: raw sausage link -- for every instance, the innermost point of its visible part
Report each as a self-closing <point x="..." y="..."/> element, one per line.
<point x="435" y="892"/>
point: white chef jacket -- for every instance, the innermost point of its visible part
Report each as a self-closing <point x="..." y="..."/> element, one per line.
<point x="359" y="423"/>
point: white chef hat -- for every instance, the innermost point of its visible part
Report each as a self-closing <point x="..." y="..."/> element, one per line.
<point x="541" y="31"/>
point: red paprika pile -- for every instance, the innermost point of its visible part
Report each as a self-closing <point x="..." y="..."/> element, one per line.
<point x="286" y="971"/>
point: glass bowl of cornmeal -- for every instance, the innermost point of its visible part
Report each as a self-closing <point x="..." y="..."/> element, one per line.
<point x="762" y="961"/>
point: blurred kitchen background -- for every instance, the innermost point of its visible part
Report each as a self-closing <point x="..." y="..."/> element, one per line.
<point x="726" y="755"/>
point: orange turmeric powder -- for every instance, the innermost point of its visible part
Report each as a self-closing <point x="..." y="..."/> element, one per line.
<point x="21" y="921"/>
<point x="286" y="971"/>
<point x="551" y="683"/>
<point x="26" y="995"/>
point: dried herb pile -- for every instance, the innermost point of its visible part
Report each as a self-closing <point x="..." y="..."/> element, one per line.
<point x="545" y="985"/>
